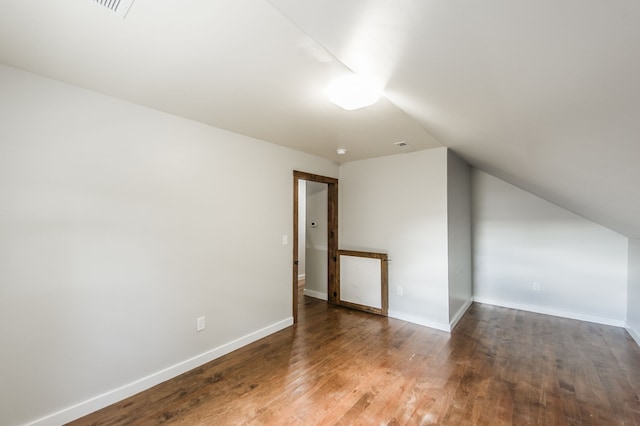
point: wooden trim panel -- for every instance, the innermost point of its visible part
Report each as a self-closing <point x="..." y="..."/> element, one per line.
<point x="384" y="281"/>
<point x="295" y="250"/>
<point x="314" y="178"/>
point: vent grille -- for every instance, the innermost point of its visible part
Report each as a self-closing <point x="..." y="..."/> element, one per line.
<point x="120" y="7"/>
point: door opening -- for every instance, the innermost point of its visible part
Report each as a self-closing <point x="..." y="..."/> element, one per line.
<point x="331" y="237"/>
<point x="312" y="239"/>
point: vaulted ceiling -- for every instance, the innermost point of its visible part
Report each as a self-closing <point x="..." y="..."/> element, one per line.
<point x="544" y="94"/>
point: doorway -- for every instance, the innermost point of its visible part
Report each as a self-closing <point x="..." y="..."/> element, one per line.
<point x="331" y="237"/>
<point x="312" y="239"/>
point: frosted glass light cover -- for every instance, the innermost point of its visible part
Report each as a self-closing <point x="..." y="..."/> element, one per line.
<point x="352" y="92"/>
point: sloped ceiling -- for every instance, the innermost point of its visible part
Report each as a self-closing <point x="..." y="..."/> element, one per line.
<point x="544" y="94"/>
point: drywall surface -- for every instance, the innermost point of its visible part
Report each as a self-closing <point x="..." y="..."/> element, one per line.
<point x="633" y="295"/>
<point x="533" y="255"/>
<point x="398" y="205"/>
<point x="120" y="226"/>
<point x="459" y="240"/>
<point x="317" y="241"/>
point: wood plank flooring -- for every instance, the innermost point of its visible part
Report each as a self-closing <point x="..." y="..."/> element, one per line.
<point x="499" y="367"/>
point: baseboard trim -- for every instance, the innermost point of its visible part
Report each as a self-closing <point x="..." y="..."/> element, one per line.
<point x="553" y="312"/>
<point x="463" y="310"/>
<point x="315" y="294"/>
<point x="420" y="321"/>
<point x="104" y="400"/>
<point x="635" y="335"/>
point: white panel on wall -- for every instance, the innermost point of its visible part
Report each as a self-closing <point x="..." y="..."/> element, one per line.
<point x="360" y="281"/>
<point x="533" y="255"/>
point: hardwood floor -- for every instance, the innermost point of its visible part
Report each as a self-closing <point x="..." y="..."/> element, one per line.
<point x="499" y="367"/>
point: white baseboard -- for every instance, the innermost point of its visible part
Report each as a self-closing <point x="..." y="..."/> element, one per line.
<point x="315" y="294"/>
<point x="553" y="312"/>
<point x="98" y="402"/>
<point x="633" y="333"/>
<point x="433" y="324"/>
<point x="419" y="320"/>
<point x="463" y="310"/>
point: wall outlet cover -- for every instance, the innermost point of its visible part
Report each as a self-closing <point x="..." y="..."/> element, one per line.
<point x="200" y="323"/>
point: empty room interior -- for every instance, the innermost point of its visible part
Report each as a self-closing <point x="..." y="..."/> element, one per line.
<point x="192" y="195"/>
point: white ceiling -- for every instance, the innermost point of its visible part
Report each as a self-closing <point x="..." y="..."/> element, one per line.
<point x="542" y="93"/>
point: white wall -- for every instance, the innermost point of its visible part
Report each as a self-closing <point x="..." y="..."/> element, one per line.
<point x="398" y="205"/>
<point x="459" y="236"/>
<point x="520" y="239"/>
<point x="119" y="226"/>
<point x="302" y="227"/>
<point x="633" y="294"/>
<point x="317" y="241"/>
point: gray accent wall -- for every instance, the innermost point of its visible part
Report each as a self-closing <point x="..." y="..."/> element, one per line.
<point x="459" y="238"/>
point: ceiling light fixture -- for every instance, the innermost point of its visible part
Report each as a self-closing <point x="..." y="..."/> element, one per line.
<point x="352" y="92"/>
<point x="341" y="151"/>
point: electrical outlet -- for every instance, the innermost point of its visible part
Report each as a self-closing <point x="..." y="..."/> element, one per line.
<point x="400" y="291"/>
<point x="200" y="325"/>
<point x="536" y="286"/>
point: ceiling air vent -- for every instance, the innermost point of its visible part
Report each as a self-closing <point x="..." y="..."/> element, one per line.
<point x="120" y="7"/>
